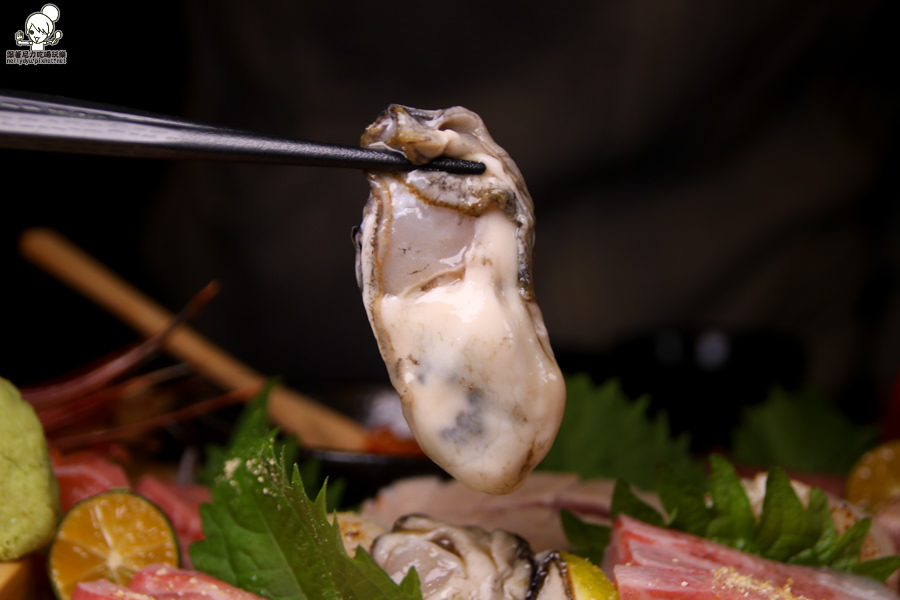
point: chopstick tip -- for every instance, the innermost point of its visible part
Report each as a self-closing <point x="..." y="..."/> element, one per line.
<point x="456" y="166"/>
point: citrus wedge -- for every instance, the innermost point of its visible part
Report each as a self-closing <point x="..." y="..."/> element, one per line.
<point x="109" y="536"/>
<point x="587" y="580"/>
<point x="875" y="477"/>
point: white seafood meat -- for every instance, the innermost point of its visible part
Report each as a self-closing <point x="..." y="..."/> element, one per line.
<point x="444" y="264"/>
<point x="457" y="563"/>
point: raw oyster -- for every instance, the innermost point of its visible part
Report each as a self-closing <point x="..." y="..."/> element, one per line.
<point x="464" y="563"/>
<point x="469" y="563"/>
<point x="444" y="264"/>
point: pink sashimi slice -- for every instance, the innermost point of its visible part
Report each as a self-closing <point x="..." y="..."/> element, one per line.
<point x="103" y="589"/>
<point x="168" y="583"/>
<point x="725" y="583"/>
<point x="84" y="474"/>
<point x="181" y="503"/>
<point x="663" y="556"/>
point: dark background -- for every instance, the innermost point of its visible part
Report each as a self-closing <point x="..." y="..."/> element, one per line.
<point x="177" y="58"/>
<point x="117" y="56"/>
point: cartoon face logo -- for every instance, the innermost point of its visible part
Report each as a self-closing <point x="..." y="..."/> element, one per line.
<point x="40" y="28"/>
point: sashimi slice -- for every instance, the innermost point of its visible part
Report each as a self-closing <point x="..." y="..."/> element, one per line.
<point x="181" y="503"/>
<point x="168" y="583"/>
<point x="103" y="589"/>
<point x="647" y="583"/>
<point x="84" y="474"/>
<point x="664" y="555"/>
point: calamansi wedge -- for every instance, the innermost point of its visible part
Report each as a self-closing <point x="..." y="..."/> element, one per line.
<point x="109" y="536"/>
<point x="875" y="478"/>
<point x="588" y="581"/>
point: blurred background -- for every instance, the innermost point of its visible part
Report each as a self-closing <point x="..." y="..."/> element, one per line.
<point x="715" y="185"/>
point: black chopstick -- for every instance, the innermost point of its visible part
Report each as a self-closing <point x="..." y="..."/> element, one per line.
<point x="35" y="122"/>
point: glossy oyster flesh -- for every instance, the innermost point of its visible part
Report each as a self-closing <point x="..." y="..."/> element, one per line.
<point x="444" y="264"/>
<point x="469" y="563"/>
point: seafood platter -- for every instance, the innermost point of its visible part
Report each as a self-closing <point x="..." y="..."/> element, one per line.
<point x="489" y="497"/>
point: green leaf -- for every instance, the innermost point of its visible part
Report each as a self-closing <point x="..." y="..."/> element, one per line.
<point x="625" y="501"/>
<point x="252" y="423"/>
<point x="684" y="500"/>
<point x="588" y="540"/>
<point x="844" y="551"/>
<point x="819" y="511"/>
<point x="214" y="463"/>
<point x="600" y="422"/>
<point x="264" y="534"/>
<point x="877" y="568"/>
<point x="734" y="522"/>
<point x="785" y="528"/>
<point x="311" y="474"/>
<point x="801" y="431"/>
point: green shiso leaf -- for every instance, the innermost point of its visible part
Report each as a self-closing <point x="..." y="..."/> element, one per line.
<point x="785" y="527"/>
<point x="824" y="550"/>
<point x="800" y="431"/>
<point x="877" y="568"/>
<point x="264" y="534"/>
<point x="588" y="540"/>
<point x="683" y="499"/>
<point x="604" y="433"/>
<point x="626" y="502"/>
<point x="733" y="522"/>
<point x="251" y="424"/>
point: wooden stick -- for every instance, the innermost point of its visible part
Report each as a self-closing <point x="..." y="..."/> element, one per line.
<point x="315" y="424"/>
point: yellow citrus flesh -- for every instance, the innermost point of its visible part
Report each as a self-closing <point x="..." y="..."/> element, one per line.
<point x="875" y="478"/>
<point x="588" y="581"/>
<point x="109" y="536"/>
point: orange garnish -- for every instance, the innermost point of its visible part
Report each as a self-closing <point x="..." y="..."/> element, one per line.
<point x="109" y="536"/>
<point x="382" y="440"/>
<point x="875" y="478"/>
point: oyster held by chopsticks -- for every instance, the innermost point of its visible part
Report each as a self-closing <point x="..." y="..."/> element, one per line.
<point x="444" y="264"/>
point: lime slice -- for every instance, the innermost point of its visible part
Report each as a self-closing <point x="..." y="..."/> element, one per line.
<point x="109" y="536"/>
<point x="587" y="580"/>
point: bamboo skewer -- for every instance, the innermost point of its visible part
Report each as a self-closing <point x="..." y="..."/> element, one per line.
<point x="315" y="424"/>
